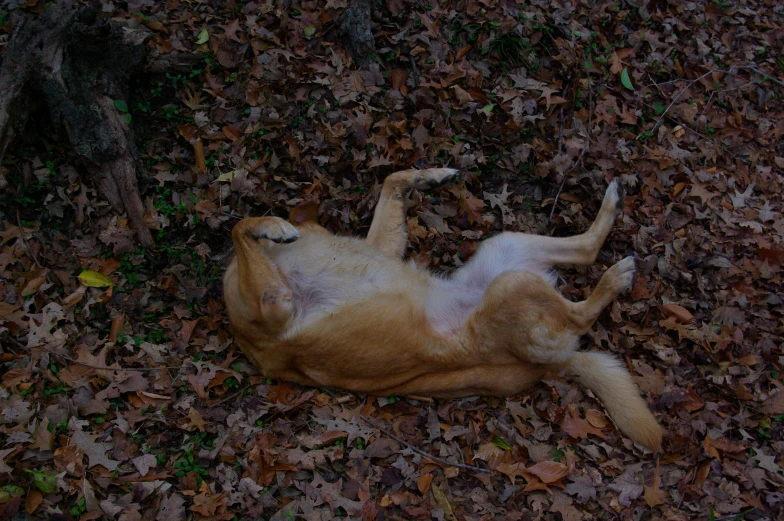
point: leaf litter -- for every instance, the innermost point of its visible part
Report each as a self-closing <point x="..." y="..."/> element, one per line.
<point x="124" y="397"/>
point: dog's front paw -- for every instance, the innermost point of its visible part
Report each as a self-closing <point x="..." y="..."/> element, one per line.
<point x="434" y="177"/>
<point x="276" y="230"/>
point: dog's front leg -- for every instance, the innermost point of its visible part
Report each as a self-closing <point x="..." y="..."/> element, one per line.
<point x="388" y="229"/>
<point x="259" y="283"/>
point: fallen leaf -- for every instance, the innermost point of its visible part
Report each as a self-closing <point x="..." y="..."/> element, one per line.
<point x="70" y="459"/>
<point x="144" y="463"/>
<point x="95" y="452"/>
<point x="33" y="501"/>
<point x="443" y="502"/>
<point x="423" y="482"/>
<point x="654" y="495"/>
<point x="93" y="279"/>
<point x="195" y="420"/>
<point x="198" y="153"/>
<point x="679" y="312"/>
<point x="774" y="404"/>
<point x="596" y="418"/>
<point x="549" y="471"/>
<point x="579" y="429"/>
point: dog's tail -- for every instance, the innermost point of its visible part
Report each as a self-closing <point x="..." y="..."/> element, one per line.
<point x="608" y="378"/>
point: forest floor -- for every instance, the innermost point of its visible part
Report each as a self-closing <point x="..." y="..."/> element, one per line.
<point x="124" y="397"/>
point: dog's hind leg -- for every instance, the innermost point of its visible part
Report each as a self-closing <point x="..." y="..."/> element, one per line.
<point x="522" y="315"/>
<point x="584" y="248"/>
<point x="512" y="251"/>
<point x="388" y="229"/>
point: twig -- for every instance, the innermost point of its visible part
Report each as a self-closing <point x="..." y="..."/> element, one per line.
<point x="676" y="98"/>
<point x="423" y="453"/>
<point x="582" y="152"/>
<point x="24" y="241"/>
<point x="105" y="368"/>
<point x="563" y="181"/>
<point x="766" y="76"/>
<point x="738" y="516"/>
<point x="588" y="128"/>
<point x="713" y="71"/>
<point x="753" y="68"/>
<point x="238" y="393"/>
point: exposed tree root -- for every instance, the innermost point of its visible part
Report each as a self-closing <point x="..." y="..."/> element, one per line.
<point x="77" y="63"/>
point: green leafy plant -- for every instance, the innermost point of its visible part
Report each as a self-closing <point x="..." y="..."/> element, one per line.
<point x="43" y="480"/>
<point x="187" y="463"/>
<point x="79" y="509"/>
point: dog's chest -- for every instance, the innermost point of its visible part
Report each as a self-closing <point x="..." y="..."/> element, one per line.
<point x="320" y="289"/>
<point x="337" y="275"/>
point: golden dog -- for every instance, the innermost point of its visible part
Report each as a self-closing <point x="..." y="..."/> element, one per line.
<point x="322" y="310"/>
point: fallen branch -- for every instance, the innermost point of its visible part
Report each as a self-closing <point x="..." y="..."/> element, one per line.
<point x="582" y="152"/>
<point x="713" y="71"/>
<point x="560" y="146"/>
<point x="115" y="369"/>
<point x="423" y="453"/>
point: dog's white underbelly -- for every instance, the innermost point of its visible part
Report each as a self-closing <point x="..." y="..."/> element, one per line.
<point x="341" y="271"/>
<point x="331" y="279"/>
<point x="453" y="299"/>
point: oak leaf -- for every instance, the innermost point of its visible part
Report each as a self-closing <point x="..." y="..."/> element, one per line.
<point x="95" y="451"/>
<point x="549" y="471"/>
<point x="654" y="495"/>
<point x="579" y="428"/>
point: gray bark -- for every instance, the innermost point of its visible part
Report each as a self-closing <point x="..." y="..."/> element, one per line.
<point x="78" y="63"/>
<point x="355" y="26"/>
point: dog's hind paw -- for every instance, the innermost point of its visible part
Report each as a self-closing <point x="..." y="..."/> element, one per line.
<point x="622" y="273"/>
<point x="614" y="196"/>
<point x="276" y="230"/>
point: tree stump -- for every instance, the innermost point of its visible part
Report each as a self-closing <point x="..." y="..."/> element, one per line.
<point x="77" y="63"/>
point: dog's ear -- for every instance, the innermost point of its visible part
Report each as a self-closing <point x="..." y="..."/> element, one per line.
<point x="306" y="211"/>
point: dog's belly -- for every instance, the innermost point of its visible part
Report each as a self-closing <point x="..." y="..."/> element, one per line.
<point x="450" y="303"/>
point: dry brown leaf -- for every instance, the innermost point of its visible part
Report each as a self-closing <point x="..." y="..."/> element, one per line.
<point x="443" y="502"/>
<point x="198" y="154"/>
<point x="70" y="459"/>
<point x="195" y="421"/>
<point x="679" y="312"/>
<point x="596" y="418"/>
<point x="117" y="325"/>
<point x="192" y="99"/>
<point x="33" y="500"/>
<point x="423" y="482"/>
<point x="774" y="404"/>
<point x="654" y="495"/>
<point x="549" y="471"/>
<point x="16" y="376"/>
<point x="693" y="402"/>
<point x="399" y="77"/>
<point x="43" y="437"/>
<point x="579" y="428"/>
<point x="212" y="506"/>
<point x="95" y="451"/>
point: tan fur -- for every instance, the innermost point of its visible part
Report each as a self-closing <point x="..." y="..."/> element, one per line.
<point x="322" y="310"/>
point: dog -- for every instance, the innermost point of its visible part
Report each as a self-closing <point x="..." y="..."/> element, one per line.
<point x="322" y="310"/>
